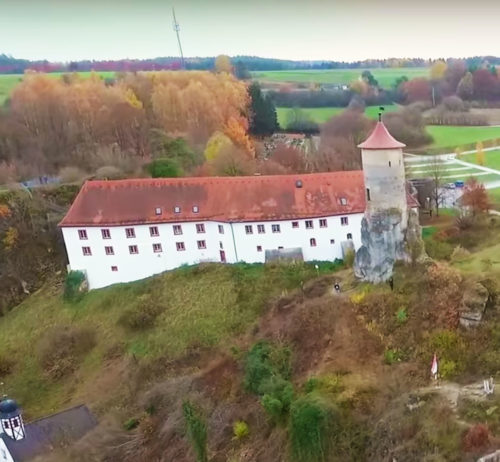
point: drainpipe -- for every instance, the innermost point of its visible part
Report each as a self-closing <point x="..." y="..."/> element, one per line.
<point x="234" y="243"/>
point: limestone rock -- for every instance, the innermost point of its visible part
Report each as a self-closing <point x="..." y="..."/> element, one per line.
<point x="473" y="305"/>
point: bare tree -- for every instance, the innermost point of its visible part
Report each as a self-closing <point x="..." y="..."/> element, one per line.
<point x="437" y="171"/>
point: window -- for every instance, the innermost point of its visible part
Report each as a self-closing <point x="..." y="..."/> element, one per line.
<point x="158" y="210"/>
<point x="130" y="232"/>
<point x="180" y="246"/>
<point x="309" y="224"/>
<point x="312" y="241"/>
<point x="261" y="229"/>
<point x="322" y="223"/>
<point x="153" y="231"/>
<point x="221" y="229"/>
<point x="133" y="249"/>
<point x="195" y="209"/>
<point x="343" y="201"/>
<point x="280" y="247"/>
<point x="332" y="241"/>
<point x="200" y="228"/>
<point x="82" y="234"/>
<point x="368" y="194"/>
<point x="276" y="228"/>
<point x="349" y="236"/>
<point x="157" y="248"/>
<point x="344" y="221"/>
<point x="221" y="245"/>
<point x="86" y="251"/>
<point x="389" y="163"/>
<point x="114" y="268"/>
<point x="295" y="224"/>
<point x="248" y="229"/>
<point x="6" y="424"/>
<point x="106" y="233"/>
<point x="177" y="229"/>
<point x="109" y="250"/>
<point x="177" y="209"/>
<point x="259" y="248"/>
<point x="202" y="245"/>
<point x="16" y="423"/>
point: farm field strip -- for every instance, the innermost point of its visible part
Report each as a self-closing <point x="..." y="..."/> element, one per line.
<point x="455" y="136"/>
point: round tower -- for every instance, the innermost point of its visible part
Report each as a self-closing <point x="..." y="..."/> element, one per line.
<point x="11" y="420"/>
<point x="383" y="168"/>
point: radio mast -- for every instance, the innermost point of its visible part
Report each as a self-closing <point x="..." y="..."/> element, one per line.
<point x="177" y="30"/>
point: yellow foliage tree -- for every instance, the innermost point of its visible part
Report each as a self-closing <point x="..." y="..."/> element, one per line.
<point x="4" y="211"/>
<point x="10" y="239"/>
<point x="223" y="64"/>
<point x="132" y="99"/>
<point x="217" y="143"/>
<point x="236" y="130"/>
<point x="438" y="70"/>
<point x="480" y="159"/>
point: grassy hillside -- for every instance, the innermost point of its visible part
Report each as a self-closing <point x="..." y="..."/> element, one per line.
<point x="198" y="308"/>
<point x="385" y="77"/>
<point x="322" y="114"/>
<point x="491" y="158"/>
<point x="453" y="136"/>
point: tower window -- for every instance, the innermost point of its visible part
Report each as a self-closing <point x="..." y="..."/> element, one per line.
<point x="157" y="248"/>
<point x="389" y="163"/>
<point x="86" y="251"/>
<point x="295" y="224"/>
<point x="368" y="194"/>
<point x="106" y="234"/>
<point x="153" y="231"/>
<point x="180" y="246"/>
<point x="343" y="201"/>
<point x="261" y="229"/>
<point x="200" y="228"/>
<point x="177" y="229"/>
<point x="275" y="228"/>
<point x="344" y="221"/>
<point x="322" y="223"/>
<point x="312" y="241"/>
<point x="82" y="234"/>
<point x="259" y="248"/>
<point x="349" y="236"/>
<point x="202" y="245"/>
<point x="248" y="229"/>
<point x="130" y="232"/>
<point x="309" y="224"/>
<point x="221" y="229"/>
<point x="133" y="249"/>
<point x="109" y="250"/>
<point x="114" y="269"/>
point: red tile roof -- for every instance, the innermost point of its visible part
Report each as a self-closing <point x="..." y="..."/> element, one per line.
<point x="227" y="199"/>
<point x="380" y="138"/>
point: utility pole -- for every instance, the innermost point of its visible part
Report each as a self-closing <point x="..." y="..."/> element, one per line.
<point x="177" y="30"/>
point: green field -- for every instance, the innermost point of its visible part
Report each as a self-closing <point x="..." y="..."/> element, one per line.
<point x="453" y="136"/>
<point x="385" y="77"/>
<point x="491" y="158"/>
<point x="9" y="81"/>
<point x="322" y="114"/>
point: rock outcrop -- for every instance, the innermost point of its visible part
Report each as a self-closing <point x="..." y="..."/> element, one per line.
<point x="473" y="305"/>
<point x="387" y="237"/>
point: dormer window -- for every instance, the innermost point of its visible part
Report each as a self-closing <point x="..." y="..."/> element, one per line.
<point x="343" y="201"/>
<point x="177" y="209"/>
<point x="158" y="210"/>
<point x="195" y="209"/>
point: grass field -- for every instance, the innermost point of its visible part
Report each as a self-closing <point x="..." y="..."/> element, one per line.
<point x="491" y="159"/>
<point x="453" y="136"/>
<point x="385" y="77"/>
<point x="322" y="114"/>
<point x="9" y="81"/>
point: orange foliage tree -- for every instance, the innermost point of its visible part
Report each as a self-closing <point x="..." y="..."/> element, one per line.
<point x="475" y="197"/>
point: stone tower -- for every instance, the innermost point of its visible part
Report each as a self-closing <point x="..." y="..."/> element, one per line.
<point x="384" y="228"/>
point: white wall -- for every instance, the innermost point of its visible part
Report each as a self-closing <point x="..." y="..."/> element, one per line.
<point x="234" y="240"/>
<point x="4" y="453"/>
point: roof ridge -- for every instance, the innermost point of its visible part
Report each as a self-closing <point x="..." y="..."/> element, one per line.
<point x="58" y="413"/>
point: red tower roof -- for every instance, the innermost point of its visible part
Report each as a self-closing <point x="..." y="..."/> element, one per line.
<point x="380" y="138"/>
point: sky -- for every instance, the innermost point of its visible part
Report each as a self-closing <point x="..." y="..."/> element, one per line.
<point x="340" y="30"/>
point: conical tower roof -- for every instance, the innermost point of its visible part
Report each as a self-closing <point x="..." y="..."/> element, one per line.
<point x="380" y="138"/>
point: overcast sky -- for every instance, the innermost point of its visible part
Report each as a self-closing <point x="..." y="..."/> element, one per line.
<point x="64" y="30"/>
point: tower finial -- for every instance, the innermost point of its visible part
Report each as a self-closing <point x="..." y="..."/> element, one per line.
<point x="380" y="109"/>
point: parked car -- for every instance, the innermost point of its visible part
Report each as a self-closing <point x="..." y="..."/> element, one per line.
<point x="450" y="186"/>
<point x="459" y="184"/>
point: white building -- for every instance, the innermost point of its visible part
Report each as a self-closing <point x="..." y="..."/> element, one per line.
<point x="125" y="230"/>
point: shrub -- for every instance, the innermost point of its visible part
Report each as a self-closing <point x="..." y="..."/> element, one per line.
<point x="310" y="426"/>
<point x="143" y="314"/>
<point x="109" y="172"/>
<point x="71" y="174"/>
<point x="164" y="168"/>
<point x="277" y="397"/>
<point x="392" y="355"/>
<point x="358" y="298"/>
<point x="240" y="429"/>
<point x="74" y="287"/>
<point x="459" y="254"/>
<point x="131" y="423"/>
<point x="6" y="365"/>
<point x="476" y="438"/>
<point x="438" y="250"/>
<point x="349" y="258"/>
<point x="401" y="315"/>
<point x="196" y="430"/>
<point x="60" y="349"/>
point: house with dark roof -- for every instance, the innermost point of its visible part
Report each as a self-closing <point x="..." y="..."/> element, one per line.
<point x="125" y="230"/>
<point x="21" y="442"/>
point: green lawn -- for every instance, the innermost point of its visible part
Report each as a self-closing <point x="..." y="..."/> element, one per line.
<point x="9" y="81"/>
<point x="322" y="114"/>
<point x="492" y="158"/>
<point x="385" y="77"/>
<point x="453" y="136"/>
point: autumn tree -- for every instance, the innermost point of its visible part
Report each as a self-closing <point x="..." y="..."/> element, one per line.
<point x="217" y="143"/>
<point x="465" y="88"/>
<point x="223" y="64"/>
<point x="480" y="160"/>
<point x="485" y="84"/>
<point x="291" y="158"/>
<point x="418" y="89"/>
<point x="475" y="197"/>
<point x="263" y="118"/>
<point x="438" y="70"/>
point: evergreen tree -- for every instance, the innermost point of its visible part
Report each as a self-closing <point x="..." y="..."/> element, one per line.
<point x="241" y="71"/>
<point x="264" y="120"/>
